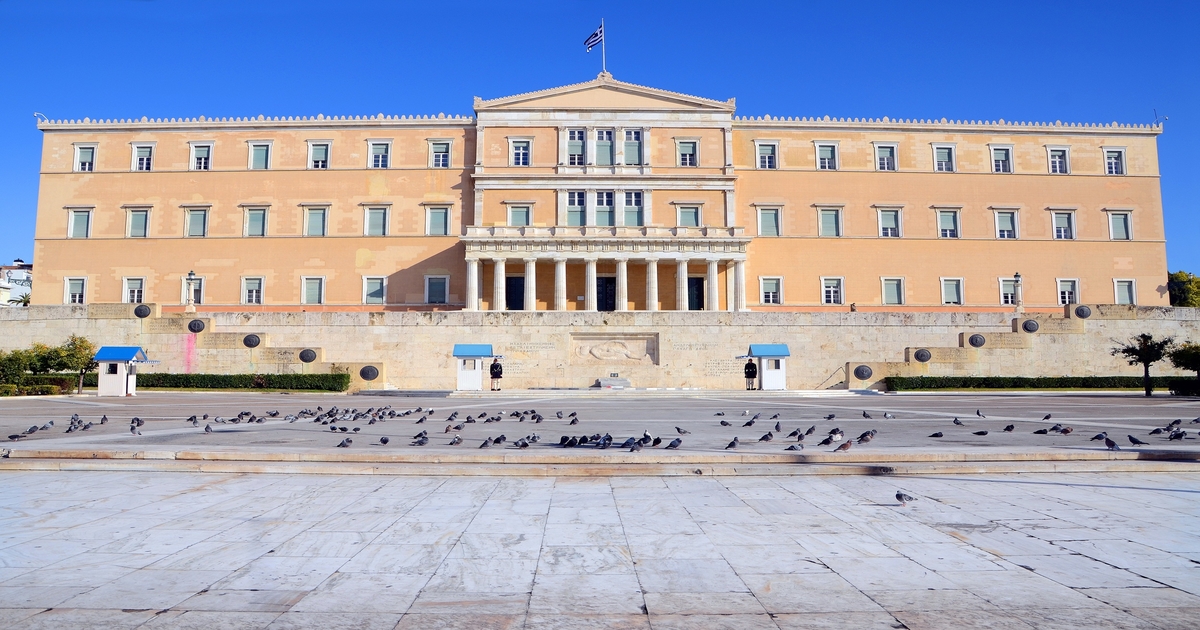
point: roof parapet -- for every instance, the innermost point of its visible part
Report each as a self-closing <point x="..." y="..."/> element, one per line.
<point x="254" y="121"/>
<point x="886" y="122"/>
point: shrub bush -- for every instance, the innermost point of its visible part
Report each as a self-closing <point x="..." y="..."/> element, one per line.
<point x="914" y="383"/>
<point x="8" y="390"/>
<point x="326" y="382"/>
<point x="1185" y="387"/>
<point x="40" y="390"/>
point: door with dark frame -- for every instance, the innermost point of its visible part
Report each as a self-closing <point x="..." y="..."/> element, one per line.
<point x="514" y="293"/>
<point x="695" y="294"/>
<point x="606" y="294"/>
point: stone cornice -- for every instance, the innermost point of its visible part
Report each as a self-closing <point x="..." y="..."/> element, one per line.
<point x="796" y="123"/>
<point x="250" y="123"/>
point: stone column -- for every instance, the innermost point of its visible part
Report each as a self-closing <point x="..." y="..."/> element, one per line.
<point x="531" y="284"/>
<point x="589" y="301"/>
<point x="739" y="292"/>
<point x="472" y="284"/>
<point x="560" y="284"/>
<point x="681" y="285"/>
<point x="498" y="286"/>
<point x="712" y="299"/>
<point x="652" y="284"/>
<point x="622" y="284"/>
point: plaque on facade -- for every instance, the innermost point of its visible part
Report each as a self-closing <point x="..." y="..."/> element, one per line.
<point x="614" y="348"/>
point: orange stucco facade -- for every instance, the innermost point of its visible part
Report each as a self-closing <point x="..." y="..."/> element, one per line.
<point x="708" y="211"/>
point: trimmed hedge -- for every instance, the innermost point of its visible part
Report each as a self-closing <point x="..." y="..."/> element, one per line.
<point x="1186" y="387"/>
<point x="65" y="382"/>
<point x="325" y="382"/>
<point x="8" y="390"/>
<point x="39" y="390"/>
<point x="914" y="383"/>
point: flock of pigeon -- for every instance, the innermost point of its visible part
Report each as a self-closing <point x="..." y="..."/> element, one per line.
<point x="1172" y="432"/>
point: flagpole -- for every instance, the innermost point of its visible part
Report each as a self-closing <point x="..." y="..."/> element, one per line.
<point x="603" y="59"/>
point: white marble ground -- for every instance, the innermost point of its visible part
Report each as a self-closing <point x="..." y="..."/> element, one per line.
<point x="176" y="550"/>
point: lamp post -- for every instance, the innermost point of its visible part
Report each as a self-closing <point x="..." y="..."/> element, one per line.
<point x="190" y="301"/>
<point x="1020" y="299"/>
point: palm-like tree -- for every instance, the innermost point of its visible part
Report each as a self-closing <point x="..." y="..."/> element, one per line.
<point x="20" y="301"/>
<point x="1145" y="350"/>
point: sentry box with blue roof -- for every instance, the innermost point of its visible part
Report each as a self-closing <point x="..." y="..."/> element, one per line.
<point x="772" y="364"/>
<point x="471" y="359"/>
<point x="118" y="370"/>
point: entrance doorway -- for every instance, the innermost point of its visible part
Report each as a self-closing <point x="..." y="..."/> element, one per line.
<point x="695" y="294"/>
<point x="606" y="294"/>
<point x="514" y="293"/>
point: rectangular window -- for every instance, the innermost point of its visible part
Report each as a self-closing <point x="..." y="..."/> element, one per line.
<point x="889" y="223"/>
<point x="943" y="159"/>
<point x="139" y="223"/>
<point x="314" y="222"/>
<point x="770" y="290"/>
<point x="518" y="216"/>
<point x="827" y="157"/>
<point x="687" y="153"/>
<point x="134" y="290"/>
<point x="1125" y="292"/>
<point x="1001" y="160"/>
<point x="373" y="291"/>
<point x="379" y="154"/>
<point x="1006" y="225"/>
<point x="253" y="292"/>
<point x="143" y="158"/>
<point x="576" y="148"/>
<point x="1067" y="292"/>
<point x="576" y="207"/>
<point x="441" y="154"/>
<point x="439" y="222"/>
<point x="831" y="290"/>
<point x="86" y="159"/>
<point x="436" y="289"/>
<point x="604" y="147"/>
<point x="605" y="215"/>
<point x="885" y="158"/>
<point x="768" y="222"/>
<point x="689" y="216"/>
<point x="256" y="222"/>
<point x="520" y="153"/>
<point x="1114" y="162"/>
<point x="948" y="223"/>
<point x="633" y="208"/>
<point x="75" y="290"/>
<point x="952" y="292"/>
<point x="766" y="156"/>
<point x="893" y="291"/>
<point x="831" y="223"/>
<point x="1058" y="162"/>
<point x="1008" y="292"/>
<point x="1063" y="226"/>
<point x="314" y="290"/>
<point x="377" y="221"/>
<point x="319" y="156"/>
<point x="197" y="223"/>
<point x="81" y="223"/>
<point x="1119" y="222"/>
<point x="260" y="157"/>
<point x="633" y="147"/>
<point x="201" y="157"/>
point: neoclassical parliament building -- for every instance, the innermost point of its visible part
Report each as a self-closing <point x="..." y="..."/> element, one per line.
<point x="598" y="196"/>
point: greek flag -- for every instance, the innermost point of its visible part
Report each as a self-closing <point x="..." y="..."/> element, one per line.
<point x="594" y="39"/>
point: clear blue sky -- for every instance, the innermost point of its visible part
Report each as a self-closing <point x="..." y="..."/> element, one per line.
<point x="1069" y="61"/>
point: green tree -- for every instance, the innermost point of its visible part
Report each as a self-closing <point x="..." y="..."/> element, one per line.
<point x="1145" y="350"/>
<point x="45" y="359"/>
<point x="13" y="366"/>
<point x="78" y="354"/>
<point x="1187" y="357"/>
<point x="1184" y="289"/>
<point x="20" y="301"/>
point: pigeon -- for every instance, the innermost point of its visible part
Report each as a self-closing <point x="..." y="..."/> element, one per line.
<point x="500" y="439"/>
<point x="521" y="443"/>
<point x="560" y="415"/>
<point x="774" y="416"/>
<point x="904" y="499"/>
<point x="104" y="419"/>
<point x="958" y="422"/>
<point x="725" y="423"/>
<point x="811" y="430"/>
<point x="1136" y="442"/>
<point x="826" y="442"/>
<point x="573" y="421"/>
<point x="345" y="443"/>
<point x="778" y="428"/>
<point x="889" y="416"/>
<point x="978" y="413"/>
<point x="837" y="435"/>
<point x="866" y="437"/>
<point x="1177" y="435"/>
<point x="719" y="413"/>
<point x="628" y="443"/>
<point x="1056" y="428"/>
<point x="1175" y="423"/>
<point x="420" y="435"/>
<point x="195" y="422"/>
<point x="1099" y="436"/>
<point x="572" y="442"/>
<point x="134" y="430"/>
<point x="208" y="428"/>
<point x="682" y="431"/>
<point x="656" y="442"/>
<point x="830" y="416"/>
<point x="15" y="436"/>
<point x="795" y="433"/>
<point x="31" y="430"/>
<point x="1010" y="428"/>
<point x="1042" y="431"/>
<point x="749" y="423"/>
<point x="1112" y="446"/>
<point x="981" y="433"/>
<point x="867" y="415"/>
<point x="1066" y="430"/>
<point x="936" y="435"/>
<point x="733" y="444"/>
<point x="1194" y="421"/>
<point x="767" y="437"/>
<point x="1046" y="417"/>
<point x="1156" y="431"/>
<point x="674" y="444"/>
<point x="343" y="429"/>
<point x="421" y="442"/>
<point x="795" y="447"/>
<point x="487" y="443"/>
<point x="845" y="446"/>
<point x="637" y="446"/>
<point x="384" y="440"/>
<point x="333" y="428"/>
<point x="421" y="421"/>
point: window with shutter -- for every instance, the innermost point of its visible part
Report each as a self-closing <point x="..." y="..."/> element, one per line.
<point x="1001" y="160"/>
<point x="576" y="207"/>
<point x="144" y="158"/>
<point x="373" y="291"/>
<point x="944" y="159"/>
<point x="1008" y="292"/>
<point x="1066" y="292"/>
<point x="1062" y="226"/>
<point x="260" y="155"/>
<point x="576" y="153"/>
<point x="87" y="159"/>
<point x="376" y="221"/>
<point x="1058" y="161"/>
<point x="689" y="216"/>
<point x="256" y="222"/>
<point x="952" y="292"/>
<point x="831" y="291"/>
<point x="885" y="158"/>
<point x="80" y="223"/>
<point x="520" y="153"/>
<point x="314" y="290"/>
<point x="948" y="224"/>
<point x="197" y="223"/>
<point x="768" y="222"/>
<point x="687" y="153"/>
<point x="200" y="157"/>
<point x="633" y="147"/>
<point x="253" y="290"/>
<point x="75" y="291"/>
<point x="379" y="154"/>
<point x="770" y="290"/>
<point x="315" y="222"/>
<point x="605" y="216"/>
<point x="139" y="221"/>
<point x="831" y="224"/>
<point x="889" y="223"/>
<point x="439" y="221"/>
<point x="604" y="147"/>
<point x="766" y="156"/>
<point x="320" y="156"/>
<point x="893" y="291"/>
<point x="134" y="290"/>
<point x="518" y="216"/>
<point x="441" y="154"/>
<point x="1006" y="225"/>
<point x="633" y="208"/>
<point x="826" y="157"/>
<point x="1120" y="226"/>
<point x="436" y="289"/>
<point x="1125" y="292"/>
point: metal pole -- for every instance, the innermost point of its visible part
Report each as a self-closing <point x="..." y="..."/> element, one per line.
<point x="603" y="58"/>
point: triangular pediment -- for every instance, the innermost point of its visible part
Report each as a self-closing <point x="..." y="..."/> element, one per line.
<point x="604" y="93"/>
